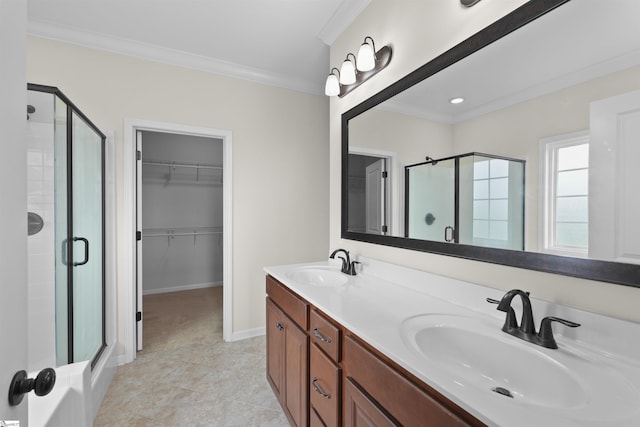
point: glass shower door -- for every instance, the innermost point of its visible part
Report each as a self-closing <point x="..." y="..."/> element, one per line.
<point x="430" y="201"/>
<point x="88" y="235"/>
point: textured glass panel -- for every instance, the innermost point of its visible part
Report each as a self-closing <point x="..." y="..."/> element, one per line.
<point x="499" y="230"/>
<point x="499" y="188"/>
<point x="481" y="189"/>
<point x="574" y="157"/>
<point x="481" y="209"/>
<point x="499" y="168"/>
<point x="87" y="249"/>
<point x="480" y="229"/>
<point x="499" y="209"/>
<point x="572" y="209"/>
<point x="481" y="170"/>
<point x="573" y="183"/>
<point x="572" y="235"/>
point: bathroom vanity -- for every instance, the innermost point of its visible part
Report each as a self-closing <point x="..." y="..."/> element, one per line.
<point x="395" y="346"/>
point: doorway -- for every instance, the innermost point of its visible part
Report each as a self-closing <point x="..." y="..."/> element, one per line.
<point x="179" y="174"/>
<point x="369" y="189"/>
<point x="179" y="210"/>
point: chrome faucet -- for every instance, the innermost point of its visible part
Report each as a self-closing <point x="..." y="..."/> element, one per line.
<point x="527" y="331"/>
<point x="348" y="266"/>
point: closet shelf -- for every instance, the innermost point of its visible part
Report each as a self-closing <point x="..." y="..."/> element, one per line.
<point x="181" y="171"/>
<point x="171" y="233"/>
<point x="180" y="164"/>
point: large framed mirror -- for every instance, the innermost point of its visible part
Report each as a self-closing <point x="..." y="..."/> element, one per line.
<point x="553" y="88"/>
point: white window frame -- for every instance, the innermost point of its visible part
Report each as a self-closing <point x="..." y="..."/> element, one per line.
<point x="547" y="173"/>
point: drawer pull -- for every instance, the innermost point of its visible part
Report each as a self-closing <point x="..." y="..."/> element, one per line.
<point x="319" y="390"/>
<point x="320" y="337"/>
<point x="279" y="326"/>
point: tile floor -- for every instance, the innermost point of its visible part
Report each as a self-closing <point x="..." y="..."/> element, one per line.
<point x="186" y="375"/>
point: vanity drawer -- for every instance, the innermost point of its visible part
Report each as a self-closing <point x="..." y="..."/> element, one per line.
<point x="314" y="419"/>
<point x="325" y="335"/>
<point x="324" y="387"/>
<point x="401" y="398"/>
<point x="295" y="307"/>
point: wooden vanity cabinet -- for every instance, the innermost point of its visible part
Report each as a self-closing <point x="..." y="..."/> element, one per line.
<point x="288" y="351"/>
<point x="325" y="376"/>
<point x="379" y="389"/>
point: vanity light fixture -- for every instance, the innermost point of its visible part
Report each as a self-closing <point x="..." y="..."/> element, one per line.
<point x="332" y="86"/>
<point x="355" y="71"/>
<point x="366" y="56"/>
<point x="348" y="70"/>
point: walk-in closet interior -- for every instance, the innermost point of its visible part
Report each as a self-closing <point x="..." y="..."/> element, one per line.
<point x="181" y="212"/>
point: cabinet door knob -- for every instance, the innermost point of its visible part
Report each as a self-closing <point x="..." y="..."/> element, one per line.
<point x="320" y="337"/>
<point x="319" y="390"/>
<point x="279" y="326"/>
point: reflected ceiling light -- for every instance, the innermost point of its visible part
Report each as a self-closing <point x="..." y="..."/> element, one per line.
<point x="367" y="56"/>
<point x="332" y="86"/>
<point x="348" y="70"/>
<point x="457" y="100"/>
<point x="357" y="70"/>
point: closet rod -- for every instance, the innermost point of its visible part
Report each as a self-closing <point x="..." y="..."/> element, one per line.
<point x="181" y="165"/>
<point x="194" y="233"/>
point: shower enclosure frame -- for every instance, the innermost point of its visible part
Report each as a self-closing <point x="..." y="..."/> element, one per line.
<point x="72" y="109"/>
<point x="455" y="235"/>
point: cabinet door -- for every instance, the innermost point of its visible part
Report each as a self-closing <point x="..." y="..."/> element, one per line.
<point x="275" y="348"/>
<point x="359" y="411"/>
<point x="296" y="374"/>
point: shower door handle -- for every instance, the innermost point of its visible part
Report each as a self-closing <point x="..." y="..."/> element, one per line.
<point x="449" y="234"/>
<point x="65" y="242"/>
<point x="86" y="251"/>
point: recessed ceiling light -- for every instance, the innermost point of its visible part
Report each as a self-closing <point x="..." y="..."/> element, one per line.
<point x="456" y="100"/>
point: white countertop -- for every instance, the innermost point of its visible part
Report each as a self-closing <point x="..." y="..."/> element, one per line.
<point x="380" y="302"/>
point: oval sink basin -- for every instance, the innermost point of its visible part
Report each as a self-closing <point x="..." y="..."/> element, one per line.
<point x="318" y="276"/>
<point x="475" y="355"/>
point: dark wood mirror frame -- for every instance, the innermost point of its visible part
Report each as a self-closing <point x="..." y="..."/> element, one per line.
<point x="605" y="271"/>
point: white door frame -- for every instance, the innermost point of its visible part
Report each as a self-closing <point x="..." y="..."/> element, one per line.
<point x="128" y="267"/>
<point x="393" y="213"/>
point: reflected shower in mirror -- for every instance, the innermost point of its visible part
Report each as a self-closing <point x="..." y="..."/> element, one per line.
<point x="540" y="86"/>
<point x="475" y="199"/>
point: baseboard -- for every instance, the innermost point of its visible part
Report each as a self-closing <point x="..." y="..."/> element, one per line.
<point x="181" y="288"/>
<point x="248" y="333"/>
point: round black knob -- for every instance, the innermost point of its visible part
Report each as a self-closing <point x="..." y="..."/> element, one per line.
<point x="45" y="381"/>
<point x="20" y="385"/>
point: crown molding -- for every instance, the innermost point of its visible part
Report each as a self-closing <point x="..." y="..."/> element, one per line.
<point x="163" y="55"/>
<point x="344" y="16"/>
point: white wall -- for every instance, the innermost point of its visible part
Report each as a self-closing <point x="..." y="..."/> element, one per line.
<point x="280" y="152"/>
<point x="419" y="31"/>
<point x="13" y="200"/>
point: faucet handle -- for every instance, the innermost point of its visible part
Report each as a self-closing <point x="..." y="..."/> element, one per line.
<point x="510" y="321"/>
<point x="546" y="333"/>
<point x="352" y="268"/>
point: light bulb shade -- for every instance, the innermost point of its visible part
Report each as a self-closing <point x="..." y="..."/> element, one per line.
<point x="332" y="86"/>
<point x="366" y="57"/>
<point x="347" y="73"/>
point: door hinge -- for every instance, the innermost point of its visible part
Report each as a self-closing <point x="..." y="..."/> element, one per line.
<point x="384" y="174"/>
<point x="138" y="316"/>
<point x="138" y="235"/>
<point x="139" y="155"/>
<point x="385" y="229"/>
